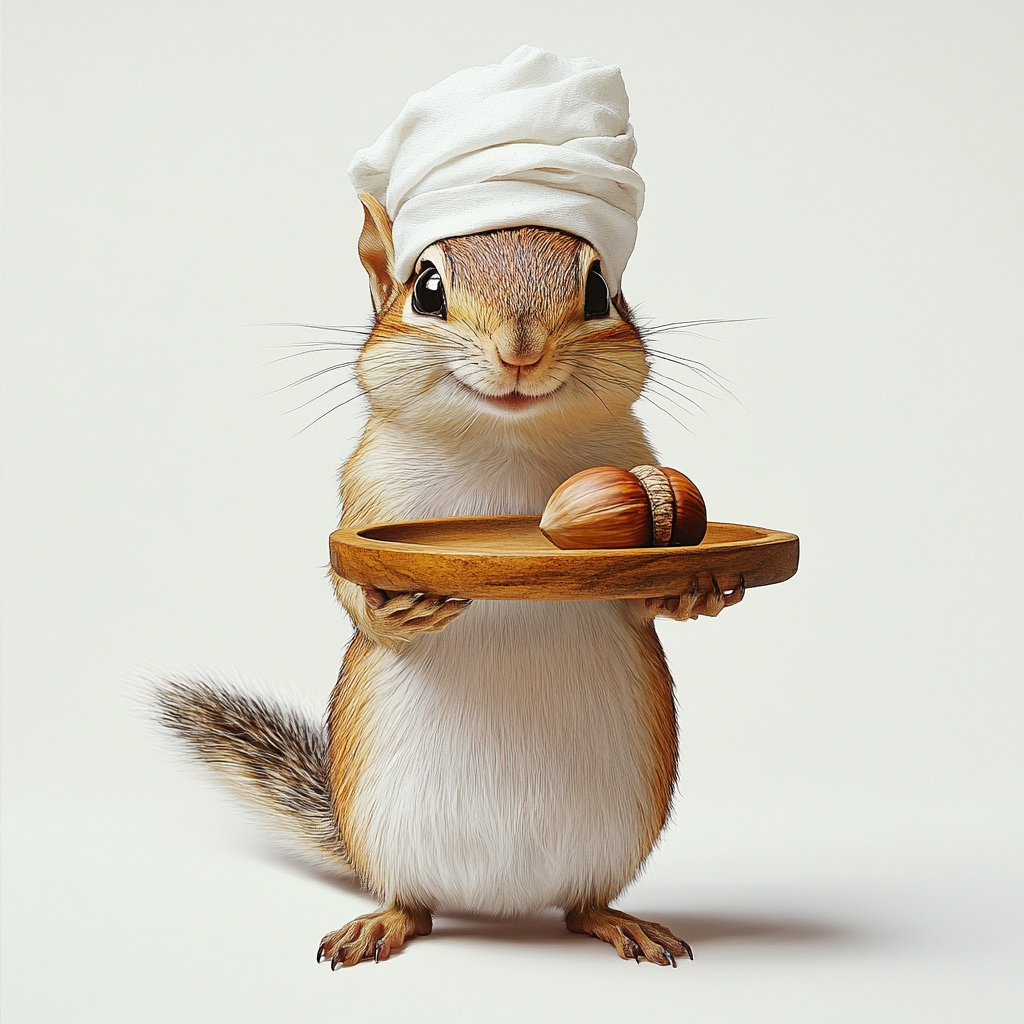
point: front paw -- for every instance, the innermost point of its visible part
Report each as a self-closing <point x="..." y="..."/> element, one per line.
<point x="395" y="619"/>
<point x="700" y="600"/>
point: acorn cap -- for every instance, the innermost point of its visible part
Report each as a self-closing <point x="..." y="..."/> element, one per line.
<point x="661" y="500"/>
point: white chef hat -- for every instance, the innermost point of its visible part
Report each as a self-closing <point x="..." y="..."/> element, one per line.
<point x="534" y="140"/>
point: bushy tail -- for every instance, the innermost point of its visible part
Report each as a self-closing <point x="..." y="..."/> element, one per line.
<point x="275" y="758"/>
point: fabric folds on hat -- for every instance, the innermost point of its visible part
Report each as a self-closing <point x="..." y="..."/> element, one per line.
<point x="536" y="139"/>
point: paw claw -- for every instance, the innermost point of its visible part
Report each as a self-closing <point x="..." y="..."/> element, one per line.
<point x="374" y="598"/>
<point x="737" y="594"/>
<point x="632" y="938"/>
<point x="402" y="617"/>
<point x="707" y="601"/>
<point x="375" y="936"/>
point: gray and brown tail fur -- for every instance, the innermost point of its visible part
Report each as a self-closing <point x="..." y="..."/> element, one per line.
<point x="274" y="757"/>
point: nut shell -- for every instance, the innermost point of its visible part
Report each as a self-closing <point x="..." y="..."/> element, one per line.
<point x="691" y="522"/>
<point x="608" y="507"/>
<point x="605" y="507"/>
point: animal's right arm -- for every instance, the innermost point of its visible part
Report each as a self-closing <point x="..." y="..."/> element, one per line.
<point x="393" y="620"/>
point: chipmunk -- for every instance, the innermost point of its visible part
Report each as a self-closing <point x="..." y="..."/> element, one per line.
<point x="488" y="757"/>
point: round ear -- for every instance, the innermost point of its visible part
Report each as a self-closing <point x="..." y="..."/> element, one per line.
<point x="377" y="253"/>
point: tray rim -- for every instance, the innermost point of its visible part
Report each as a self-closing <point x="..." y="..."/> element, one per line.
<point x="358" y="533"/>
<point x="455" y="560"/>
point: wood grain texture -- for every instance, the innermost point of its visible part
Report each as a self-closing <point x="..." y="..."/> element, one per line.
<point x="508" y="558"/>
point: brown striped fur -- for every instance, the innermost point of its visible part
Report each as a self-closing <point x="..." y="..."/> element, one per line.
<point x="511" y="294"/>
<point x="486" y="412"/>
<point x="347" y="762"/>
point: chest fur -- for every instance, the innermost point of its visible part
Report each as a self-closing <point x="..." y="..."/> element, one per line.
<point x="522" y="757"/>
<point x="401" y="477"/>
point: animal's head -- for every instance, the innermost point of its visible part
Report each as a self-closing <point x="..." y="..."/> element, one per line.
<point x="514" y="325"/>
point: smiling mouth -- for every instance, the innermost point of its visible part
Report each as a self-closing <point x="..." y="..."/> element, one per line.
<point x="512" y="400"/>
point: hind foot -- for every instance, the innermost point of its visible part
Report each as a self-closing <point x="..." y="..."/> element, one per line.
<point x="632" y="938"/>
<point x="373" y="936"/>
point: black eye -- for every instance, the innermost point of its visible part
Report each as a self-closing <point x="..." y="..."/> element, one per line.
<point x="596" y="299"/>
<point x="428" y="293"/>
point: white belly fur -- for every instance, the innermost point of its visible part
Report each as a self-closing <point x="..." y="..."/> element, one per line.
<point x="509" y="760"/>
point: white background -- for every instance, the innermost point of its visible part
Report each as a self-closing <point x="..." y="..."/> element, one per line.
<point x="844" y="844"/>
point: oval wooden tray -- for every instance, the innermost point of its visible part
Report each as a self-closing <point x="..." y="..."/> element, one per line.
<point x="508" y="558"/>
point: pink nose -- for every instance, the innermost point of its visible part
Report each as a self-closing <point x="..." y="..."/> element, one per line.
<point x="520" y="344"/>
<point x="521" y="359"/>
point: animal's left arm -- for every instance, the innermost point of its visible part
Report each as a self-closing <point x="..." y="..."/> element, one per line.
<point x="699" y="601"/>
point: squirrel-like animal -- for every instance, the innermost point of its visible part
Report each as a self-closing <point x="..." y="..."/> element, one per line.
<point x="488" y="757"/>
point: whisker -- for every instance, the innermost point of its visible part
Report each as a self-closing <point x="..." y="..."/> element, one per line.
<point x="323" y="394"/>
<point x="682" y="325"/>
<point x="667" y="382"/>
<point x="312" y="376"/>
<point x="330" y="369"/>
<point x="647" y="398"/>
<point x="362" y="332"/>
<point x="366" y="392"/>
<point x="650" y="383"/>
<point x="702" y="371"/>
<point x="670" y="396"/>
<point x="580" y="380"/>
<point x="329" y="411"/>
<point x="313" y="348"/>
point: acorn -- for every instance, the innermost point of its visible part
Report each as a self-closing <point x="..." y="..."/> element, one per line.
<point x="608" y="507"/>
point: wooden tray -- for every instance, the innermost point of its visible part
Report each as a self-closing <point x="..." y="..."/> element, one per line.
<point x="508" y="558"/>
